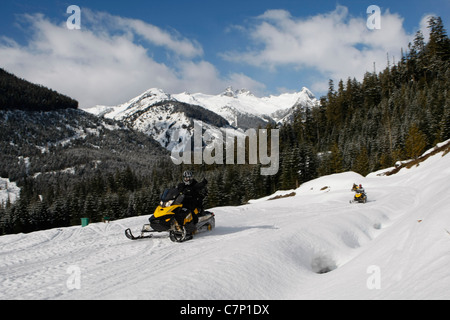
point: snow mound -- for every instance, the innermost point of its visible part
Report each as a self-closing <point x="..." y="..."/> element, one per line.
<point x="310" y="244"/>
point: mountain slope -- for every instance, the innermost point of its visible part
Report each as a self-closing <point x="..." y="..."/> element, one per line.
<point x="36" y="143"/>
<point x="19" y="94"/>
<point x="313" y="244"/>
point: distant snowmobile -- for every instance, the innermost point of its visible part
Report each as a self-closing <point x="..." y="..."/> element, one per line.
<point x="360" y="197"/>
<point x="170" y="216"/>
<point x="360" y="194"/>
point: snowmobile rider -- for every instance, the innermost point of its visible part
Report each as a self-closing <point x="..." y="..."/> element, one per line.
<point x="194" y="193"/>
<point x="358" y="189"/>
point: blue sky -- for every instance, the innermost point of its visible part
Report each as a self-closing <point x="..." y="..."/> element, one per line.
<point x="269" y="47"/>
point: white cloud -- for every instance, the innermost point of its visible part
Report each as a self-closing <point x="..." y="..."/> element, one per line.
<point x="109" y="61"/>
<point x="335" y="44"/>
<point x="133" y="27"/>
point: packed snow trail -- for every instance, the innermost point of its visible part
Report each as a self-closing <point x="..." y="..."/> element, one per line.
<point x="314" y="245"/>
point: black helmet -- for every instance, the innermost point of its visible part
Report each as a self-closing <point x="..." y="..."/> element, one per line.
<point x="188" y="176"/>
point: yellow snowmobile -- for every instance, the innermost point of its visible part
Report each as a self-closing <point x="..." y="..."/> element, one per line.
<point x="171" y="216"/>
<point x="360" y="197"/>
<point x="360" y="194"/>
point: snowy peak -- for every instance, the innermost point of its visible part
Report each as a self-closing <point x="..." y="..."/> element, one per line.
<point x="158" y="113"/>
<point x="146" y="99"/>
<point x="236" y="103"/>
<point x="307" y="98"/>
<point x="306" y="91"/>
<point x="303" y="98"/>
<point x="231" y="93"/>
<point x="244" y="92"/>
<point x="155" y="94"/>
<point x="229" y="104"/>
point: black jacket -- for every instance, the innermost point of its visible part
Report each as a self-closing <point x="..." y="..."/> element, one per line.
<point x="194" y="193"/>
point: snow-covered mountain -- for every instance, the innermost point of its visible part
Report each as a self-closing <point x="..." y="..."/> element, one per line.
<point x="310" y="244"/>
<point x="160" y="114"/>
<point x="241" y="106"/>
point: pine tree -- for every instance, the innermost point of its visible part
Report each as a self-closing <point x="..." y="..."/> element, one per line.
<point x="310" y="165"/>
<point x="3" y="220"/>
<point x="362" y="163"/>
<point x="59" y="213"/>
<point x="90" y="208"/>
<point x="214" y="191"/>
<point x="336" y="163"/>
<point x="439" y="44"/>
<point x="445" y="124"/>
<point x="415" y="142"/>
<point x="289" y="168"/>
<point x="131" y="208"/>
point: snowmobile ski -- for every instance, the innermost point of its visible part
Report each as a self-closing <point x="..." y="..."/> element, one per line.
<point x="145" y="230"/>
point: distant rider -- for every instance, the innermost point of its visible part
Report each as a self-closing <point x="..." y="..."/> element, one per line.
<point x="358" y="189"/>
<point x="361" y="189"/>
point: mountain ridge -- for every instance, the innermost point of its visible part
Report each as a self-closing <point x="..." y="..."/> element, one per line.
<point x="158" y="113"/>
<point x="242" y="101"/>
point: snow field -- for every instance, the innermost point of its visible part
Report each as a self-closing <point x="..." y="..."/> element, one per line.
<point x="314" y="245"/>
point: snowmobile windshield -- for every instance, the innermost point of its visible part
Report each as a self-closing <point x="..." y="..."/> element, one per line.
<point x="172" y="194"/>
